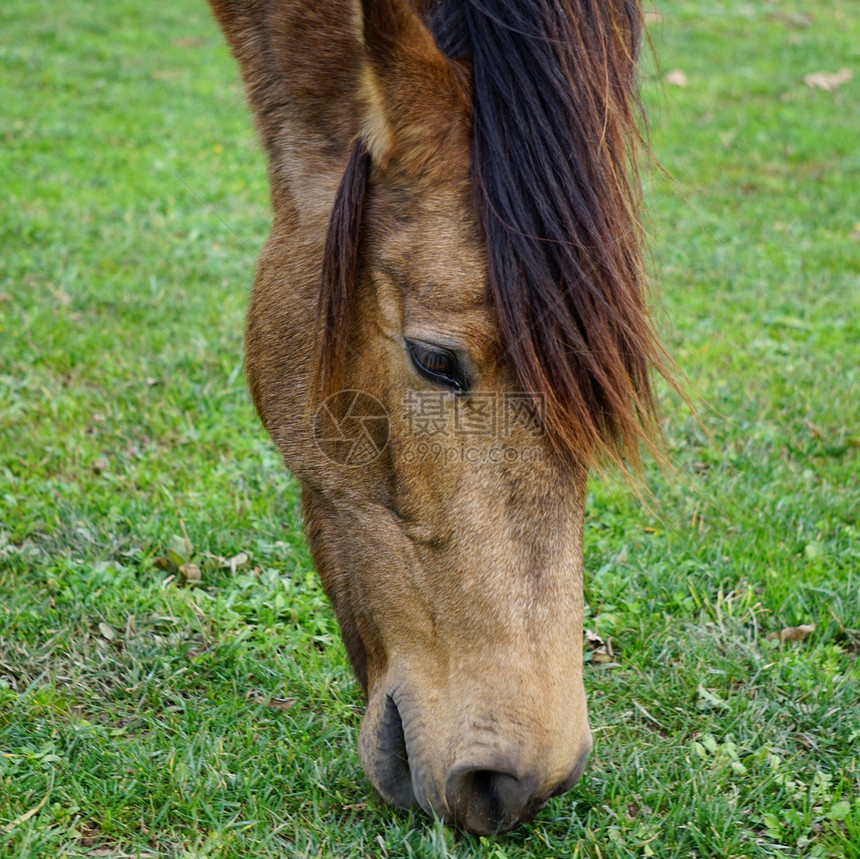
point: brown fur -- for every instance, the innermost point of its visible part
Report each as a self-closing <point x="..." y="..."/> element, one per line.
<point x="457" y="581"/>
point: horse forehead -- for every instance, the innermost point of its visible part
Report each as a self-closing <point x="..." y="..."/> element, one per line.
<point x="444" y="280"/>
<point x="436" y="254"/>
<point x="449" y="297"/>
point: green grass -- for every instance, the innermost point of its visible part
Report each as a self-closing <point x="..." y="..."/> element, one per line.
<point x="136" y="714"/>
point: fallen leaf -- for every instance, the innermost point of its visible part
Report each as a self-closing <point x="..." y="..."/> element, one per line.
<point x="601" y="651"/>
<point x="592" y="639"/>
<point x="235" y="562"/>
<point x="89" y="834"/>
<point x="828" y="80"/>
<point x="272" y="700"/>
<point x="179" y="550"/>
<point x="792" y="633"/>
<point x="189" y="572"/>
<point x="637" y="808"/>
<point x="676" y="78"/>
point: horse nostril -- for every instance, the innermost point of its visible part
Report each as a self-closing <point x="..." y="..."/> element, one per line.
<point x="487" y="801"/>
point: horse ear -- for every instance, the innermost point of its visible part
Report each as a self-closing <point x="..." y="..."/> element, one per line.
<point x="299" y="64"/>
<point x="407" y="85"/>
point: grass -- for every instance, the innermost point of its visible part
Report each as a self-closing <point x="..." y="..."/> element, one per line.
<point x="143" y="717"/>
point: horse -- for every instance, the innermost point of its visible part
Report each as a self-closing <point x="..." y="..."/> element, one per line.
<point x="448" y="328"/>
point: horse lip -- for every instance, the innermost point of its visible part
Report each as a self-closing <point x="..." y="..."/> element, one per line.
<point x="384" y="754"/>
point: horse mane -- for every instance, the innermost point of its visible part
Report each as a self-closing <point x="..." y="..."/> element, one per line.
<point x="555" y="109"/>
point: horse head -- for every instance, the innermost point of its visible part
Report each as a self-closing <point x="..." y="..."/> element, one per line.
<point x="446" y="328"/>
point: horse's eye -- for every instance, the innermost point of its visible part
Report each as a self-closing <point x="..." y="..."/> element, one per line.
<point x="438" y="365"/>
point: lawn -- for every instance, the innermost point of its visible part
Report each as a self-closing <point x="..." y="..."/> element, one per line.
<point x="146" y="714"/>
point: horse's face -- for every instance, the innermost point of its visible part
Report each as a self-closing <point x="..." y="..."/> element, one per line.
<point x="445" y="525"/>
<point x="454" y="557"/>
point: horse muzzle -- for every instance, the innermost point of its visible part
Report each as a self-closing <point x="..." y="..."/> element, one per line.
<point x="486" y="784"/>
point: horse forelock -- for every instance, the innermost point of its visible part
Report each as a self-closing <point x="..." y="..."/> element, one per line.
<point x="554" y="137"/>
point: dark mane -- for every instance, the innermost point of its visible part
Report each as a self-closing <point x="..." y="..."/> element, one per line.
<point x="340" y="270"/>
<point x="554" y="118"/>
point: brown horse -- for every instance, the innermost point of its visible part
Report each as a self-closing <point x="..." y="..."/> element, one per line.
<point x="446" y="329"/>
